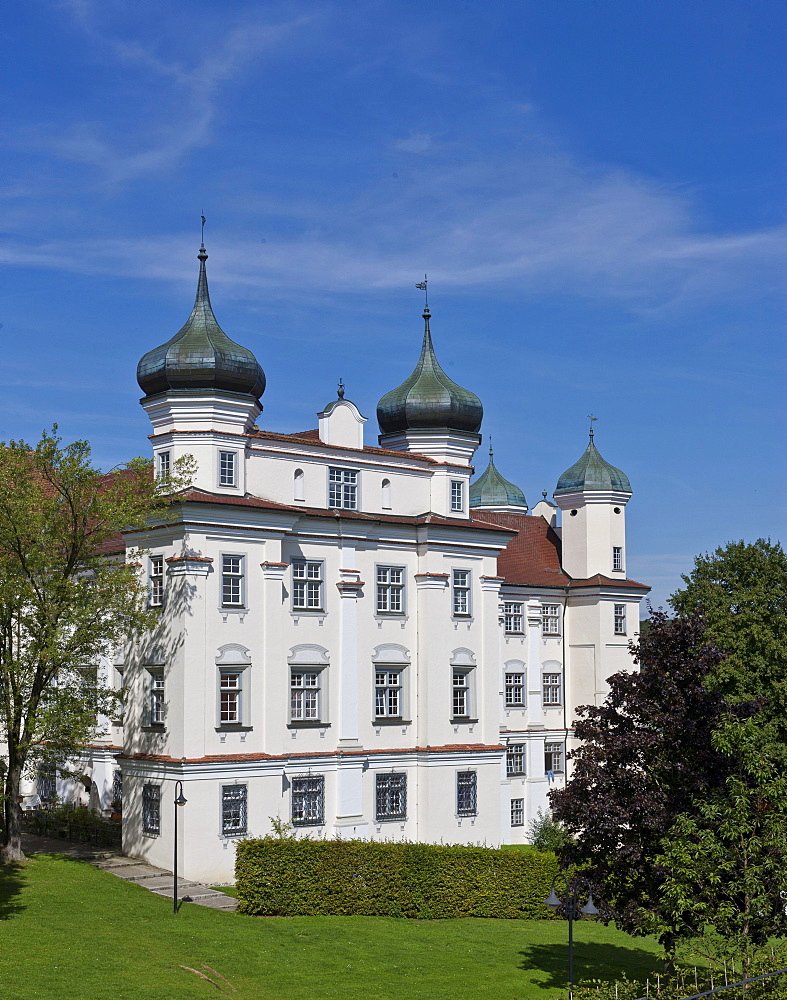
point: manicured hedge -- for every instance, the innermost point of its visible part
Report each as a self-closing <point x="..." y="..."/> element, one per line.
<point x="301" y="877"/>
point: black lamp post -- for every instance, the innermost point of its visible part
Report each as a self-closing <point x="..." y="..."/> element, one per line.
<point x="571" y="902"/>
<point x="180" y="800"/>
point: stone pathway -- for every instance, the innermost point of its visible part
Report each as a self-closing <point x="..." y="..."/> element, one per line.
<point x="157" y="880"/>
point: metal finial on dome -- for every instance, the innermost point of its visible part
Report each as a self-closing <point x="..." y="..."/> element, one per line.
<point x="340" y="389"/>
<point x="544" y="494"/>
<point x="592" y="419"/>
<point x="423" y="285"/>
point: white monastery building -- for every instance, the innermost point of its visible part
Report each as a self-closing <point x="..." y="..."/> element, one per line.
<point x="357" y="640"/>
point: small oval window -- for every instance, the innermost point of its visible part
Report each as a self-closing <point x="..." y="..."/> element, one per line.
<point x="574" y="513"/>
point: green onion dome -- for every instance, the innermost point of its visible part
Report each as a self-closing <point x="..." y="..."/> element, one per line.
<point x="591" y="473"/>
<point x="201" y="355"/>
<point x="492" y="490"/>
<point x="429" y="399"/>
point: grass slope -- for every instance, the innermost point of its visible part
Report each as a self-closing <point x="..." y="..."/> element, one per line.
<point x="71" y="932"/>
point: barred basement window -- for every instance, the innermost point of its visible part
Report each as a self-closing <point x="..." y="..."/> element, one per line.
<point x="550" y="619"/>
<point x="515" y="690"/>
<point x="308" y="801"/>
<point x="391" y="796"/>
<point x="466" y="796"/>
<point x="228" y="468"/>
<point x="461" y="591"/>
<point x="47" y="783"/>
<point x="387" y="694"/>
<point x="343" y="489"/>
<point x="517" y="812"/>
<point x="233" y="810"/>
<point x="553" y="757"/>
<point x="306" y="585"/>
<point x="515" y="758"/>
<point x="620" y="619"/>
<point x="551" y="689"/>
<point x="513" y="618"/>
<point x="151" y="809"/>
<point x="390" y="590"/>
<point x="156" y="581"/>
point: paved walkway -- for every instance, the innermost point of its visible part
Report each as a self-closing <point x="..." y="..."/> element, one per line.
<point x="157" y="880"/>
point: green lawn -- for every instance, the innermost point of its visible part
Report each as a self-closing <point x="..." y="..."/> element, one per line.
<point x="71" y="932"/>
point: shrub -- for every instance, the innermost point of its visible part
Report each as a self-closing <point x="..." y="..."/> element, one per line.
<point x="300" y="877"/>
<point x="546" y="833"/>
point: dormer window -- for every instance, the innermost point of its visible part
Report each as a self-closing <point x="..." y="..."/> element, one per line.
<point x="228" y="468"/>
<point x="343" y="489"/>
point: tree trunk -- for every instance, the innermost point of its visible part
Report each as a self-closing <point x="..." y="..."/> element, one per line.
<point x="12" y="835"/>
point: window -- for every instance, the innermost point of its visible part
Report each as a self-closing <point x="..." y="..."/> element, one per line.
<point x="308" y="801"/>
<point x="163" y="464"/>
<point x="157" y="707"/>
<point x="550" y="619"/>
<point x="515" y="758"/>
<point x="156" y="581"/>
<point x="390" y="590"/>
<point x="617" y="558"/>
<point x="387" y="693"/>
<point x="513" y="618"/>
<point x="620" y="619"/>
<point x="233" y="810"/>
<point x="461" y="591"/>
<point x="515" y="689"/>
<point x="298" y="485"/>
<point x="230" y="689"/>
<point x="517" y="812"/>
<point x="47" y="783"/>
<point x="461" y="693"/>
<point x="232" y="581"/>
<point x="117" y="787"/>
<point x="228" y="473"/>
<point x="343" y="489"/>
<point x="466" y="797"/>
<point x="390" y="796"/>
<point x="386" y="494"/>
<point x="305" y="695"/>
<point x="551" y="690"/>
<point x="306" y="585"/>
<point x="151" y="809"/>
<point x="457" y="495"/>
<point x="553" y="757"/>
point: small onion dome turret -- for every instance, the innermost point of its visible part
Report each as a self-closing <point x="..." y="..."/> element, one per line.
<point x="492" y="490"/>
<point x="201" y="355"/>
<point x="592" y="473"/>
<point x="429" y="399"/>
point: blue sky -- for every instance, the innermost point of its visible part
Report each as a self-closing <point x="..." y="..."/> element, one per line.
<point x="596" y="190"/>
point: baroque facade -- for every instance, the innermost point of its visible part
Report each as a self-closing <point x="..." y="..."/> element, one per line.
<point x="359" y="641"/>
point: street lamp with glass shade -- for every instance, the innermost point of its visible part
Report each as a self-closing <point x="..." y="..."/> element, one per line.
<point x="571" y="903"/>
<point x="180" y="800"/>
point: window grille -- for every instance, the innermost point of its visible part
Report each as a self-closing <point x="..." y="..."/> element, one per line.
<point x="387" y="693"/>
<point x="233" y="810"/>
<point x="151" y="809"/>
<point x="156" y="581"/>
<point x="617" y="558"/>
<point x="343" y="489"/>
<point x="513" y="618"/>
<point x="550" y="686"/>
<point x="553" y="757"/>
<point x="227" y="468"/>
<point x="391" y="796"/>
<point x="550" y="619"/>
<point x="461" y="693"/>
<point x="457" y="495"/>
<point x="117" y="786"/>
<point x="515" y="689"/>
<point x="461" y="591"/>
<point x="306" y="585"/>
<point x="517" y="812"/>
<point x="390" y="590"/>
<point x="466" y="793"/>
<point x="157" y="707"/>
<point x="47" y="783"/>
<point x="620" y="619"/>
<point x="232" y="581"/>
<point x="305" y="695"/>
<point x="308" y="801"/>
<point x="230" y="688"/>
<point x="515" y="758"/>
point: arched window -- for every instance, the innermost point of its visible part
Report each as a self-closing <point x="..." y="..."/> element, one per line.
<point x="386" y="497"/>
<point x="297" y="485"/>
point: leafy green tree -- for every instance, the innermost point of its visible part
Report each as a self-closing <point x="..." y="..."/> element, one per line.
<point x="67" y="595"/>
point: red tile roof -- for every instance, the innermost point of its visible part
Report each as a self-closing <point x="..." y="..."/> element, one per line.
<point x="599" y="580"/>
<point x="532" y="557"/>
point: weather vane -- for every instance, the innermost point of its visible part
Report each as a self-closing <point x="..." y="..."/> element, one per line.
<point x="422" y="285"/>
<point x="592" y="420"/>
<point x="202" y="216"/>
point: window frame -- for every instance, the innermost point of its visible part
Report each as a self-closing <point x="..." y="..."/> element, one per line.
<point x="231" y="458"/>
<point x="456" y="496"/>
<point x="151" y="809"/>
<point x="156" y="703"/>
<point x="516" y="760"/>
<point x="390" y="589"/>
<point x="510" y="615"/>
<point x="617" y="559"/>
<point x="511" y="687"/>
<point x="548" y="688"/>
<point x="555" y="747"/>
<point x="390" y="787"/>
<point x="386" y="688"/>
<point x="464" y="690"/>
<point x="619" y="619"/>
<point x="550" y="620"/>
<point x="517" y="812"/>
<point x="227" y="799"/>
<point x="307" y="670"/>
<point x="156" y="576"/>
<point x="238" y="691"/>
<point x="461" y="593"/>
<point x="304" y="581"/>
<point x="344" y="491"/>
<point x="466" y="786"/>
<point x="318" y="790"/>
<point x="227" y="576"/>
<point x="163" y="464"/>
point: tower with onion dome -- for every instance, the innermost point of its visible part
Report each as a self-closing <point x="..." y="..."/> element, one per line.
<point x="202" y="395"/>
<point x="592" y="495"/>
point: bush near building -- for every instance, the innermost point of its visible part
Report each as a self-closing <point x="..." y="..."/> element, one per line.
<point x="302" y="877"/>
